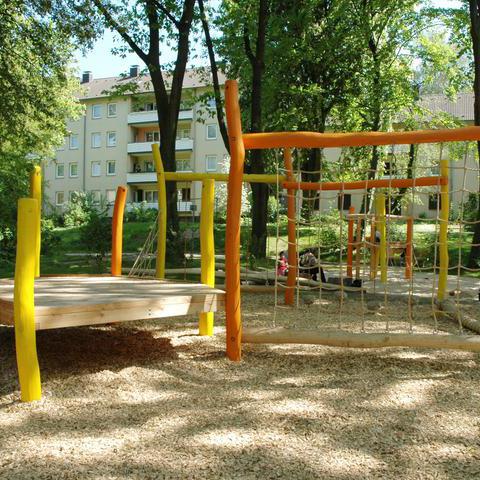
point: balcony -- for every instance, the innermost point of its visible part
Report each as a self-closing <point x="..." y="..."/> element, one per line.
<point x="142" y="177"/>
<point x="137" y="118"/>
<point x="182" y="207"/>
<point x="142" y="148"/>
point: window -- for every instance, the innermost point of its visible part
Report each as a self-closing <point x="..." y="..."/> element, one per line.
<point x="435" y="170"/>
<point x="96" y="111"/>
<point x="434" y="201"/>
<point x="151" y="196"/>
<point x="211" y="104"/>
<point x="60" y="170"/>
<point x="59" y="198"/>
<point x="150" y="107"/>
<point x="149" y="167"/>
<point x="184" y="165"/>
<point x="95" y="196"/>
<point x="73" y="170"/>
<point x="111" y="194"/>
<point x="152" y="136"/>
<point x="111" y="167"/>
<point x="96" y="140"/>
<point x="112" y="109"/>
<point x="62" y="146"/>
<point x="211" y="163"/>
<point x="111" y="139"/>
<point x="96" y="169"/>
<point x="347" y="201"/>
<point x="185" y="194"/>
<point x="71" y="195"/>
<point x="73" y="141"/>
<point x="183" y="133"/>
<point x="211" y="132"/>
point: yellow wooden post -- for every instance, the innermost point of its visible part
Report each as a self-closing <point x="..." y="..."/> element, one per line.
<point x="36" y="193"/>
<point x="24" y="303"/>
<point x="443" y="234"/>
<point x="382" y="228"/>
<point x="162" y="213"/>
<point x="207" y="250"/>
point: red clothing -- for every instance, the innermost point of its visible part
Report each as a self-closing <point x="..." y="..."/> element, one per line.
<point x="282" y="267"/>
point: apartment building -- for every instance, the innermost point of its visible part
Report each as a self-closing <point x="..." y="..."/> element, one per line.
<point x="111" y="144"/>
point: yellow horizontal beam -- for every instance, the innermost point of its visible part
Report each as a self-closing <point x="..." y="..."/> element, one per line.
<point x="222" y="177"/>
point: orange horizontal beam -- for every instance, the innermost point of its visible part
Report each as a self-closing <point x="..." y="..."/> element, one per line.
<point x="254" y="141"/>
<point x="363" y="184"/>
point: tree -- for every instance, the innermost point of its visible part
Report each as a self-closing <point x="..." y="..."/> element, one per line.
<point x="148" y="28"/>
<point x="37" y="88"/>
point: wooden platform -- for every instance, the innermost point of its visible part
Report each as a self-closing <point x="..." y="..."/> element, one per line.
<point x="68" y="301"/>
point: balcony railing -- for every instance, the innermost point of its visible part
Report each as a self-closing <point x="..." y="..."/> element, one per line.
<point x="182" y="207"/>
<point x="152" y="117"/>
<point x="140" y="148"/>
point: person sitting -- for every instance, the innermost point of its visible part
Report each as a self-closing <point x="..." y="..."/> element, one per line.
<point x="310" y="267"/>
<point x="282" y="264"/>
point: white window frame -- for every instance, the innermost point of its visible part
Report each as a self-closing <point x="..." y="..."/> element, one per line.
<point x="70" y="142"/>
<point x="181" y="161"/>
<point x="70" y="165"/>
<point x="153" y="193"/>
<point x="98" y="164"/>
<point x="208" y="137"/>
<point x="94" y="194"/>
<point x="56" y="198"/>
<point x="110" y="162"/>
<point x="153" y="133"/>
<point x="96" y="135"/>
<point x="57" y="175"/>
<point x="207" y="157"/>
<point x="94" y="107"/>
<point x="109" y="143"/>
<point x="109" y="115"/>
<point x="108" y="193"/>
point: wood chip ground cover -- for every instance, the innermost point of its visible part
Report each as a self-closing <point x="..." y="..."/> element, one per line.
<point x="152" y="400"/>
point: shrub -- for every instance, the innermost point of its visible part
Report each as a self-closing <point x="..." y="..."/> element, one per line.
<point x="139" y="213"/>
<point x="95" y="234"/>
<point x="79" y="209"/>
<point x="50" y="238"/>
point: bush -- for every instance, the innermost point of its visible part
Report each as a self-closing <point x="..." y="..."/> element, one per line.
<point x="95" y="234"/>
<point x="139" y="213"/>
<point x="50" y="238"/>
<point x="78" y="210"/>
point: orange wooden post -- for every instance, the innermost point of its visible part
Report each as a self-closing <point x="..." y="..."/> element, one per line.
<point x="409" y="249"/>
<point x="232" y="240"/>
<point x="351" y="211"/>
<point x="117" y="231"/>
<point x="292" y="238"/>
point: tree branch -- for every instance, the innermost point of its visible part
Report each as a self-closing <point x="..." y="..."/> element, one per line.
<point x="214" y="70"/>
<point x="167" y="13"/>
<point x="120" y="30"/>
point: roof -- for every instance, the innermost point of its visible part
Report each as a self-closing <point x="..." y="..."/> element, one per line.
<point x="461" y="107"/>
<point x="194" y="78"/>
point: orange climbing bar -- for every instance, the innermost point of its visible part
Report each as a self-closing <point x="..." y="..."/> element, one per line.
<point x="232" y="240"/>
<point x="363" y="184"/>
<point x="254" y="141"/>
<point x="117" y="231"/>
<point x="292" y="240"/>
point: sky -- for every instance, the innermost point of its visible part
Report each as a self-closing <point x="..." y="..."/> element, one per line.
<point x="102" y="63"/>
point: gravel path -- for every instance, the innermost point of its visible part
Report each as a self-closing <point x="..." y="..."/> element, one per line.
<point x="152" y="400"/>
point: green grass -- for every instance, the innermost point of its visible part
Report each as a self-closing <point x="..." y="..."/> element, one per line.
<point x="62" y="259"/>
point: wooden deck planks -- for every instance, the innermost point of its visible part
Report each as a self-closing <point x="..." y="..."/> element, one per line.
<point x="88" y="300"/>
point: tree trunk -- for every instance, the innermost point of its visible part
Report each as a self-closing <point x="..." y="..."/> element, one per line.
<point x="397" y="202"/>
<point x="258" y="241"/>
<point x="474" y="8"/>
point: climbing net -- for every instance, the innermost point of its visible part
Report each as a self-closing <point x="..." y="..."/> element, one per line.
<point x="380" y="238"/>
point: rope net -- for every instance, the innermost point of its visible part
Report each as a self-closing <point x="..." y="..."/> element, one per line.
<point x="355" y="291"/>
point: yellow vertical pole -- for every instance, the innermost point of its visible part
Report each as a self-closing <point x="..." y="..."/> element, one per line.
<point x="382" y="228"/>
<point x="443" y="234"/>
<point x="36" y="193"/>
<point x="117" y="231"/>
<point x="24" y="303"/>
<point x="162" y="213"/>
<point x="207" y="250"/>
